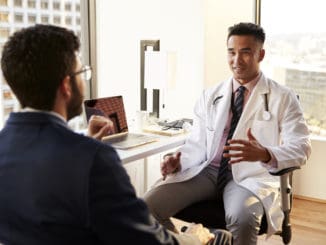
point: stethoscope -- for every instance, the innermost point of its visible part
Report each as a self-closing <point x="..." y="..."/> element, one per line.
<point x="266" y="114"/>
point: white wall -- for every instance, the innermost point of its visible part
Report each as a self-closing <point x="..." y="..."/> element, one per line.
<point x="219" y="15"/>
<point x="310" y="180"/>
<point x="178" y="24"/>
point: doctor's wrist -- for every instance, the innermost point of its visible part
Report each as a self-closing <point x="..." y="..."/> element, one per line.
<point x="266" y="156"/>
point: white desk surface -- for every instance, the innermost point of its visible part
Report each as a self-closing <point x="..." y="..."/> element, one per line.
<point x="164" y="143"/>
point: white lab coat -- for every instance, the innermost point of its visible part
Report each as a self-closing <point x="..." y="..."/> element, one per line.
<point x="285" y="135"/>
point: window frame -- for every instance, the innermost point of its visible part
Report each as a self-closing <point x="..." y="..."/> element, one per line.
<point x="258" y="16"/>
<point x="83" y="32"/>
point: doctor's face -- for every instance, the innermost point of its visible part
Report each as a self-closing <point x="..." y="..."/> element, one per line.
<point x="244" y="56"/>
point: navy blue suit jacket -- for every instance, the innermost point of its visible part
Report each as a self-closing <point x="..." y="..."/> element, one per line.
<point x="59" y="187"/>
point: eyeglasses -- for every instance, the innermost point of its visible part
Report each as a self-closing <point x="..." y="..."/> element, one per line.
<point x="86" y="73"/>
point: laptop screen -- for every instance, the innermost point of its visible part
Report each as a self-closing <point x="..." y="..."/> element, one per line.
<point x="111" y="107"/>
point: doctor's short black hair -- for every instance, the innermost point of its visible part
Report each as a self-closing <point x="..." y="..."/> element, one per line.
<point x="247" y="28"/>
<point x="35" y="60"/>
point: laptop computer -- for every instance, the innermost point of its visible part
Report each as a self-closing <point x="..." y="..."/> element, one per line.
<point x="113" y="108"/>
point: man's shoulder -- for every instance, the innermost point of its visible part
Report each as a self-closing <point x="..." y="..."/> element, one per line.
<point x="277" y="86"/>
<point x="83" y="143"/>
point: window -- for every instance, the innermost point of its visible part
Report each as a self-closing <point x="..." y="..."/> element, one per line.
<point x="57" y="20"/>
<point x="68" y="20"/>
<point x="4" y="17"/>
<point x="44" y="5"/>
<point x="31" y="19"/>
<point x="3" y="2"/>
<point x="18" y="3"/>
<point x="68" y="6"/>
<point x="31" y="4"/>
<point x="4" y="33"/>
<point x="296" y="53"/>
<point x="12" y="19"/>
<point x="44" y="19"/>
<point x="19" y="18"/>
<point x="56" y="5"/>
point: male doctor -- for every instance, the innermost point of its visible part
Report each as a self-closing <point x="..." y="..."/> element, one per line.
<point x="243" y="129"/>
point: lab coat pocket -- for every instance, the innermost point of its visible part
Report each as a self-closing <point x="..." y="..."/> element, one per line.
<point x="266" y="132"/>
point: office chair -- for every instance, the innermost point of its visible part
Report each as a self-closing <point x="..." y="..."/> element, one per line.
<point x="211" y="213"/>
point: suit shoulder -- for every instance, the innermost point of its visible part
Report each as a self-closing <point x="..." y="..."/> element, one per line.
<point x="84" y="142"/>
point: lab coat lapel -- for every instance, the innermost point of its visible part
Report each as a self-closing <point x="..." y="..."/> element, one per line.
<point x="255" y="102"/>
<point x="220" y="102"/>
<point x="222" y="106"/>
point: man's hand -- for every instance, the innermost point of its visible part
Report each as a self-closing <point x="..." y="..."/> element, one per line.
<point x="170" y="164"/>
<point x="201" y="232"/>
<point x="99" y="126"/>
<point x="246" y="150"/>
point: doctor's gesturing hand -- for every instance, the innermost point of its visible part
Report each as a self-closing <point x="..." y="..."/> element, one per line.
<point x="170" y="164"/>
<point x="246" y="150"/>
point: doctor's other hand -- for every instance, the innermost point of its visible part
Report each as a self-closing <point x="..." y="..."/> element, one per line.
<point x="246" y="150"/>
<point x="202" y="233"/>
<point x="99" y="126"/>
<point x="170" y="164"/>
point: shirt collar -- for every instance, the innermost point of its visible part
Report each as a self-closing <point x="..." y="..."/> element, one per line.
<point x="29" y="109"/>
<point x="249" y="86"/>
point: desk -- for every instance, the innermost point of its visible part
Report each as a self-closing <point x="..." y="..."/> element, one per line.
<point x="164" y="143"/>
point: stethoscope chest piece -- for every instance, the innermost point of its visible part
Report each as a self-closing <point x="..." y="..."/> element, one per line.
<point x="266" y="115"/>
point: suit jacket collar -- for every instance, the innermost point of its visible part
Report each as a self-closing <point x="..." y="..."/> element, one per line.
<point x="34" y="117"/>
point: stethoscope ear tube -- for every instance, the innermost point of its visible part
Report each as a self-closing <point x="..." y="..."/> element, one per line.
<point x="266" y="114"/>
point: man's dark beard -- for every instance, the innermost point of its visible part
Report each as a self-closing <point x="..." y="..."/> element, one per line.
<point x="74" y="108"/>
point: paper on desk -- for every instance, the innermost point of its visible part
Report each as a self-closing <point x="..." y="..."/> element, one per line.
<point x="156" y="129"/>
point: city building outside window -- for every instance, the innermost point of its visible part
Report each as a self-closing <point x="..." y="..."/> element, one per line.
<point x="296" y="53"/>
<point x="37" y="11"/>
